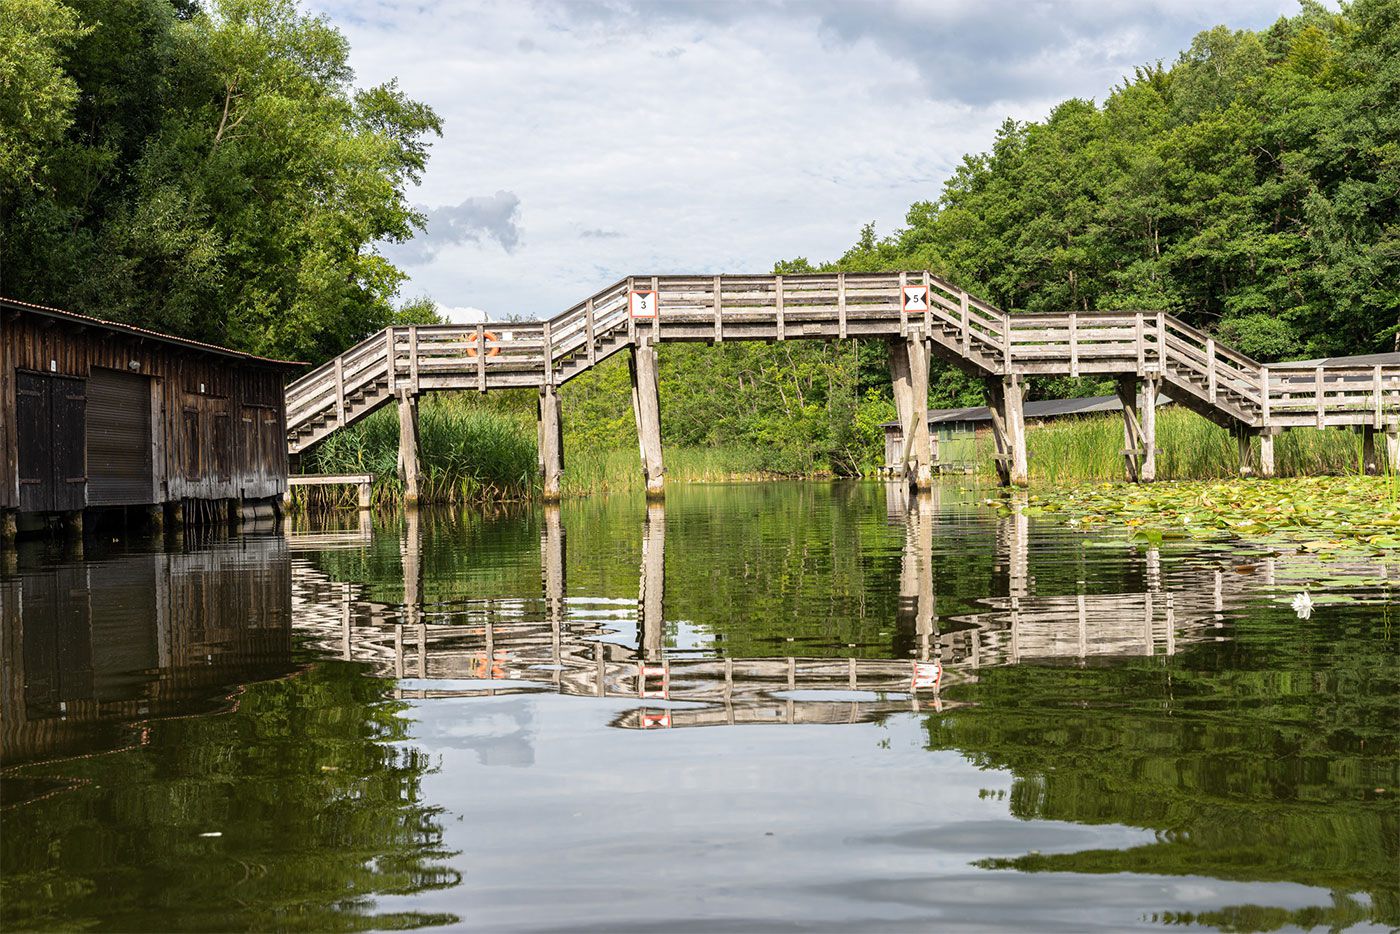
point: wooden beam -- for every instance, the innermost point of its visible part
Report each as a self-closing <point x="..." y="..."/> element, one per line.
<point x="1132" y="428"/>
<point x="717" y="299"/>
<point x="1320" y="391"/>
<point x="841" y="305"/>
<point x="647" y="406"/>
<point x="409" y="466"/>
<point x="1147" y="421"/>
<point x="917" y="445"/>
<point x="390" y="357"/>
<point x="551" y="442"/>
<point x="591" y="331"/>
<point x="480" y="359"/>
<point x="778" y="288"/>
<point x="1073" y="344"/>
<point x="1210" y="369"/>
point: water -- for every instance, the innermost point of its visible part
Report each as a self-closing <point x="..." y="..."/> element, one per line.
<point x="698" y="717"/>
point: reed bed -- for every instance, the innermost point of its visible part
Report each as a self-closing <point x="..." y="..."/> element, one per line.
<point x="474" y="453"/>
<point x="1189" y="447"/>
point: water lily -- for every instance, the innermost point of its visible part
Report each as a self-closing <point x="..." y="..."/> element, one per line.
<point x="1303" y="605"/>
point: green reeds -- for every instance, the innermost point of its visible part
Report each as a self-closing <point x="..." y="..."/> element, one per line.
<point x="474" y="453"/>
<point x="1188" y="448"/>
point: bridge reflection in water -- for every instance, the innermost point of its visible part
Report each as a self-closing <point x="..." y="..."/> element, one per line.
<point x="600" y="648"/>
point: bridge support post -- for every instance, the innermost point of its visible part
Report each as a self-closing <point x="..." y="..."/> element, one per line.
<point x="1266" y="453"/>
<point x="9" y="527"/>
<point x="909" y="361"/>
<point x="1147" y="416"/>
<point x="1007" y="398"/>
<point x="1132" y="435"/>
<point x="551" y="444"/>
<point x="646" y="406"/>
<point x="409" y="465"/>
<point x="1392" y="448"/>
<point x="1370" y="463"/>
<point x="1244" y="438"/>
<point x="1139" y="400"/>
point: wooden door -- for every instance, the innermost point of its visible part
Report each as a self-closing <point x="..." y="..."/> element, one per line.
<point x="51" y="413"/>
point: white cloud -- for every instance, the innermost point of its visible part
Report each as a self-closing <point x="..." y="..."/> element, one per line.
<point x="462" y="314"/>
<point x="706" y="137"/>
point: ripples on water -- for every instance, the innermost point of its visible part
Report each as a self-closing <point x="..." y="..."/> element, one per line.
<point x="720" y="714"/>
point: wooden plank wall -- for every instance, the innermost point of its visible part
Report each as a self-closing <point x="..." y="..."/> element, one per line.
<point x="218" y="425"/>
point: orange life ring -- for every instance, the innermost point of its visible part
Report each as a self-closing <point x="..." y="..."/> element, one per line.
<point x="492" y="347"/>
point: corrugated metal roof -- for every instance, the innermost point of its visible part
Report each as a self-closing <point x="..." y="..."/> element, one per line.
<point x="89" y="321"/>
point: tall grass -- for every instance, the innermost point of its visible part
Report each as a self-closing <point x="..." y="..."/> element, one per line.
<point x="472" y="453"/>
<point x="469" y="454"/>
<point x="1188" y="448"/>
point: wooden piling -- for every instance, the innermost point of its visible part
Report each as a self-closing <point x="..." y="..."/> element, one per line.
<point x="409" y="465"/>
<point x="1006" y="396"/>
<point x="1013" y="402"/>
<point x="551" y="442"/>
<point x="917" y="443"/>
<point x="646" y="406"/>
<point x="1392" y="448"/>
<point x="1244" y="439"/>
<point x="1132" y="436"/>
<point x="1266" y="453"/>
<point x="1147" y="421"/>
<point x="9" y="527"/>
<point x="1370" y="463"/>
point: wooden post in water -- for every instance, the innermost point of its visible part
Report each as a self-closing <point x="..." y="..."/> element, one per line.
<point x="1266" y="452"/>
<point x="651" y="605"/>
<point x="551" y="453"/>
<point x="1147" y="421"/>
<point x="409" y="465"/>
<point x="646" y="406"/>
<point x="1244" y="438"/>
<point x="1392" y="448"/>
<point x="9" y="527"/>
<point x="1006" y="396"/>
<point x="1014" y="415"/>
<point x="1370" y="463"/>
<point x="1132" y="434"/>
<point x="917" y="443"/>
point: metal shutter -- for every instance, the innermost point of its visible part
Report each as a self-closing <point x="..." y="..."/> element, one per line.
<point x="120" y="469"/>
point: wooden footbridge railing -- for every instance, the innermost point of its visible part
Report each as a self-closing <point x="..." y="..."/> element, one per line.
<point x="918" y="313"/>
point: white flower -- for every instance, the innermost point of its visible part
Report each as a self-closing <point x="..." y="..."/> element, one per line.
<point x="1303" y="605"/>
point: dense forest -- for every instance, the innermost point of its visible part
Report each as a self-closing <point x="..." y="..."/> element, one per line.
<point x="211" y="169"/>
<point x="207" y="169"/>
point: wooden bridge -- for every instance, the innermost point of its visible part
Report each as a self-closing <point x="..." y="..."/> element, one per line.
<point x="920" y="315"/>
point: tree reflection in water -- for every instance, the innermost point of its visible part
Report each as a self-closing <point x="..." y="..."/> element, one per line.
<point x="293" y="808"/>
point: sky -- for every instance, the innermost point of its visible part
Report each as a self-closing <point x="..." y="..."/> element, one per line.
<point x="586" y="140"/>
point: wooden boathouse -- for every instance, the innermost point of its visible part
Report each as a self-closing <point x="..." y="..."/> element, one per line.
<point x="98" y="415"/>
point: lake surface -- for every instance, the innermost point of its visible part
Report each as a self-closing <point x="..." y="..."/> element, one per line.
<point x="760" y="707"/>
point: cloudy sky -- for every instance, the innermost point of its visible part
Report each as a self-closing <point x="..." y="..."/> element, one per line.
<point x="585" y="141"/>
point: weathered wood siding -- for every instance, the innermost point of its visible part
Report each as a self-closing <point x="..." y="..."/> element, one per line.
<point x="218" y="421"/>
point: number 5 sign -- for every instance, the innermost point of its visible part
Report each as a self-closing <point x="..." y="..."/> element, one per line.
<point x="914" y="299"/>
<point x="642" y="303"/>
